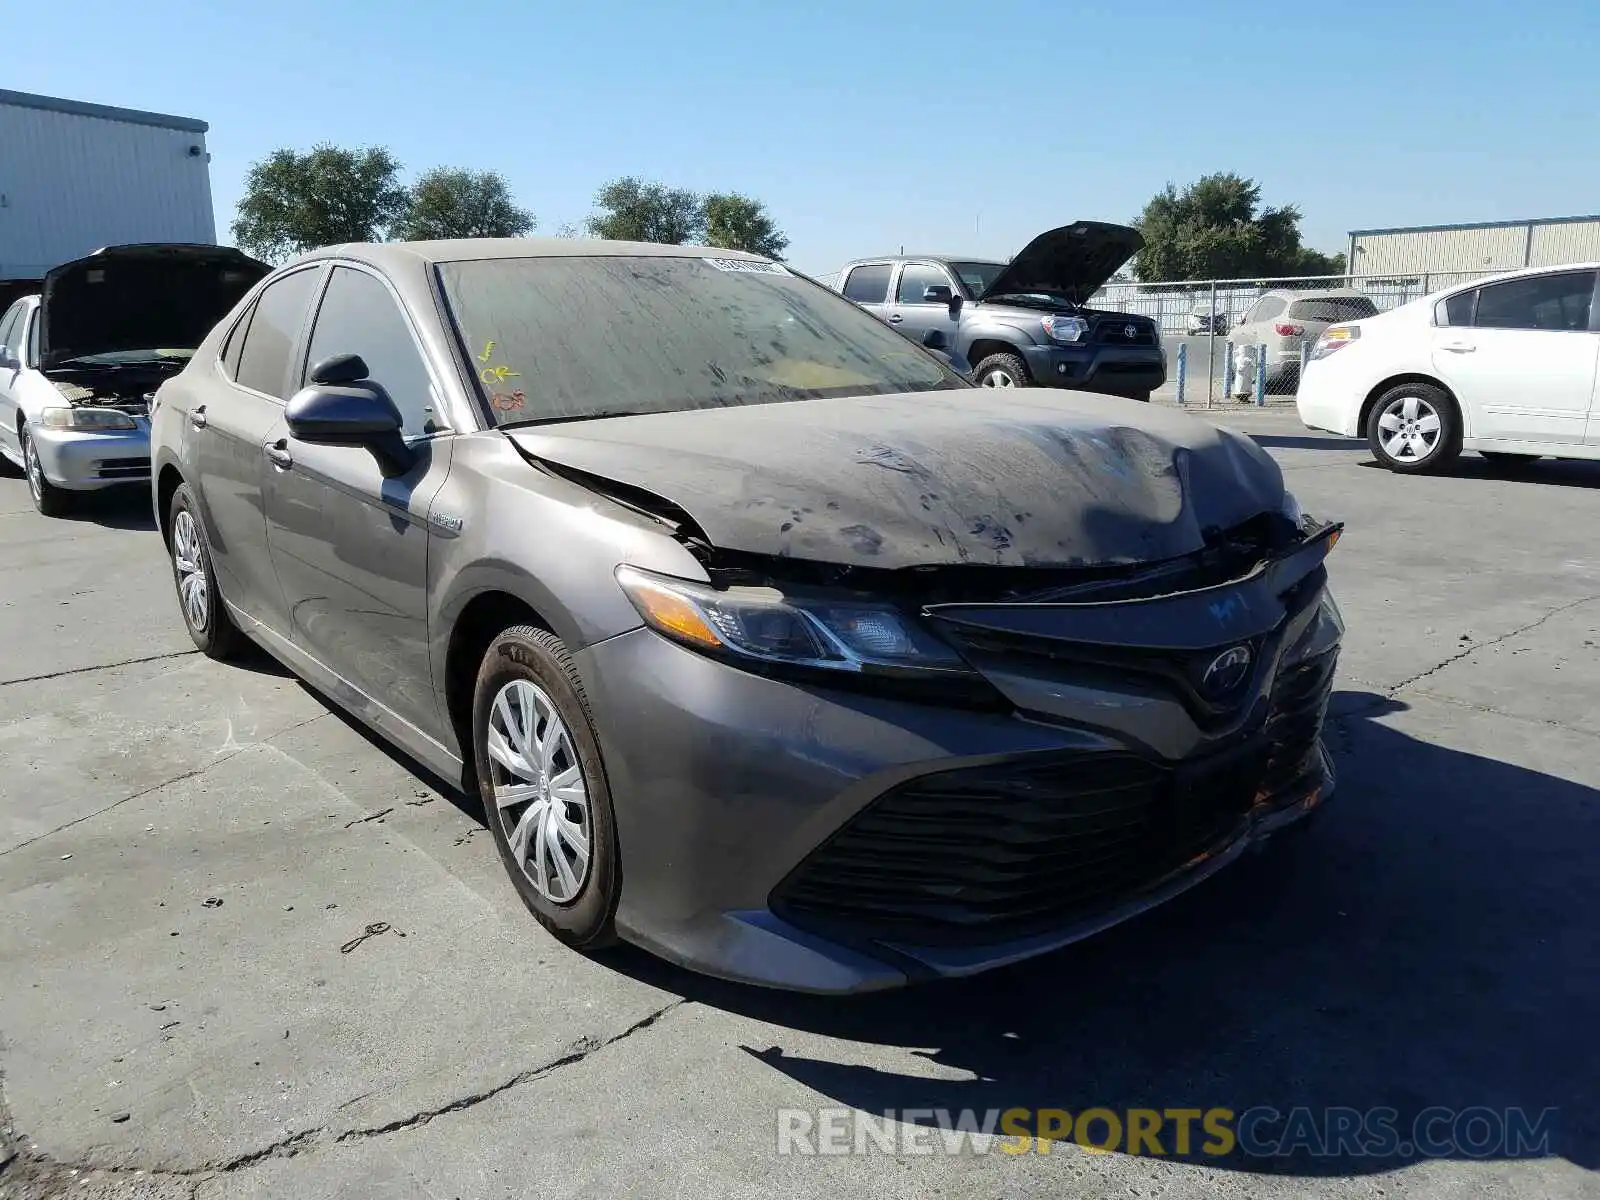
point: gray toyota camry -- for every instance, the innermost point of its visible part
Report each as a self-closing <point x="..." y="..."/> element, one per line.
<point x="769" y="643"/>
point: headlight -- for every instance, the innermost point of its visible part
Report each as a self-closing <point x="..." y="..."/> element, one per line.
<point x="762" y="625"/>
<point x="1335" y="338"/>
<point x="86" y="418"/>
<point x="1065" y="329"/>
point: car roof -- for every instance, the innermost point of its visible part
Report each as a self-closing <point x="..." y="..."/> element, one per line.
<point x="1314" y="293"/>
<point x="408" y="254"/>
<point x="938" y="258"/>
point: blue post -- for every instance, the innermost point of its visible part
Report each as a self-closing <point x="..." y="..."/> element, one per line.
<point x="1183" y="369"/>
<point x="1227" y="368"/>
<point x="1261" y="376"/>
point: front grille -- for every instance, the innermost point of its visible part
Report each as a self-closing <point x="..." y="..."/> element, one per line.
<point x="123" y="468"/>
<point x="1115" y="333"/>
<point x="986" y="854"/>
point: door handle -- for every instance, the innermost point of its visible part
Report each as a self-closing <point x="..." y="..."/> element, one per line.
<point x="280" y="456"/>
<point x="1458" y="347"/>
<point x="896" y="319"/>
<point x="197" y="418"/>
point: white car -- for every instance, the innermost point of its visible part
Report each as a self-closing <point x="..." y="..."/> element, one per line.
<point x="1505" y="366"/>
<point x="80" y="361"/>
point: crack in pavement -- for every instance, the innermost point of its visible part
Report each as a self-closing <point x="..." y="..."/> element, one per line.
<point x="156" y="787"/>
<point x="127" y="662"/>
<point x="1395" y="689"/>
<point x="582" y="1050"/>
<point x="24" y="1165"/>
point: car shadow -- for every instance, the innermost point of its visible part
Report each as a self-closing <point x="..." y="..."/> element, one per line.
<point x="1552" y="472"/>
<point x="1430" y="941"/>
<point x="1296" y="441"/>
<point x="115" y="508"/>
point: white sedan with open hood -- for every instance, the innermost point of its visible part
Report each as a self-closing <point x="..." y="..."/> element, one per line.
<point x="80" y="362"/>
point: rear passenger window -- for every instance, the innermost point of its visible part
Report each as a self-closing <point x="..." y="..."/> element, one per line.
<point x="1455" y="310"/>
<point x="235" y="343"/>
<point x="360" y="316"/>
<point x="868" y="284"/>
<point x="1552" y="302"/>
<point x="280" y="312"/>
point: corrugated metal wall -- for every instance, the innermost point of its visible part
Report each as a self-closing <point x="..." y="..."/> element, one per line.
<point x="71" y="183"/>
<point x="1403" y="252"/>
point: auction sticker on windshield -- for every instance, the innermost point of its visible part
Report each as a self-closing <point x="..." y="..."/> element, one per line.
<point x="746" y="265"/>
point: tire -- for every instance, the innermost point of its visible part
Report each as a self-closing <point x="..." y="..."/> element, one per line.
<point x="50" y="500"/>
<point x="1419" y="421"/>
<point x="205" y="616"/>
<point x="527" y="678"/>
<point x="1501" y="459"/>
<point x="998" y="367"/>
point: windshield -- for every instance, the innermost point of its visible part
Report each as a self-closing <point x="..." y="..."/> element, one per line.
<point x="556" y="339"/>
<point x="977" y="276"/>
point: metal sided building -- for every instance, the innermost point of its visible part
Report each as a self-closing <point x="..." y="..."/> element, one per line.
<point x="75" y="177"/>
<point x="1484" y="248"/>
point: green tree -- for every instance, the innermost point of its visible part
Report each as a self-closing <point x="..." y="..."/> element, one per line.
<point x="735" y="222"/>
<point x="451" y="203"/>
<point x="295" y="202"/>
<point x="1216" y="229"/>
<point x="634" y="211"/>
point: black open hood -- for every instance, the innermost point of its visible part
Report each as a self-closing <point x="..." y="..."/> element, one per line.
<point x="157" y="296"/>
<point x="1036" y="477"/>
<point x="1073" y="261"/>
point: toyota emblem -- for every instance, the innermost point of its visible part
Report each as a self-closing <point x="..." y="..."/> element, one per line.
<point x="1227" y="672"/>
<point x="1130" y="332"/>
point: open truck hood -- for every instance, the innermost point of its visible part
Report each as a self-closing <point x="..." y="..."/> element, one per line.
<point x="1073" y="261"/>
<point x="155" y="296"/>
<point x="1033" y="478"/>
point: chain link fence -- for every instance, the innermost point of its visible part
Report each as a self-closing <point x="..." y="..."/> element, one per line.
<point x="1204" y="323"/>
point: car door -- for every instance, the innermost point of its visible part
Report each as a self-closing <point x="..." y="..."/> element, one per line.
<point x="236" y="412"/>
<point x="868" y="285"/>
<point x="350" y="544"/>
<point x="11" y="378"/>
<point x="1521" y="356"/>
<point x="911" y="314"/>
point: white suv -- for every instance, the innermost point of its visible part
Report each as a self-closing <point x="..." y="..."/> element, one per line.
<point x="1505" y="366"/>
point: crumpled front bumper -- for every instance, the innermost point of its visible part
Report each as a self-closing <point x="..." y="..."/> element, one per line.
<point x="80" y="460"/>
<point x="800" y="837"/>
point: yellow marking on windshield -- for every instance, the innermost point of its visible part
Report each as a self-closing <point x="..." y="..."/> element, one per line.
<point x="488" y="352"/>
<point x="811" y="376"/>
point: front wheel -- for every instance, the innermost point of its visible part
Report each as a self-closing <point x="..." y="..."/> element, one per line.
<point x="544" y="787"/>
<point x="1414" y="429"/>
<point x="50" y="500"/>
<point x="1001" y="371"/>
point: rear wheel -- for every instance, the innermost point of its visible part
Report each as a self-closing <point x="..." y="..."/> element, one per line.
<point x="204" y="614"/>
<point x="50" y="500"/>
<point x="1001" y="370"/>
<point x="1413" y="429"/>
<point x="544" y="787"/>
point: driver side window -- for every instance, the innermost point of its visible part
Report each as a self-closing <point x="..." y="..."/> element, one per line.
<point x="359" y="315"/>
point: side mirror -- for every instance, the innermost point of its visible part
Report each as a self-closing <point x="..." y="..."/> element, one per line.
<point x="937" y="293"/>
<point x="934" y="339"/>
<point x="340" y="369"/>
<point x="359" y="413"/>
<point x="9" y="360"/>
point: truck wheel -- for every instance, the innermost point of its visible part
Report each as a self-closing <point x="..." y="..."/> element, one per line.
<point x="1001" y="370"/>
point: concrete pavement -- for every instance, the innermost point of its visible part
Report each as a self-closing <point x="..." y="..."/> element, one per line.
<point x="191" y="855"/>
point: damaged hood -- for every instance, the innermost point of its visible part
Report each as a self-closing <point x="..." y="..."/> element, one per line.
<point x="138" y="298"/>
<point x="1073" y="261"/>
<point x="1033" y="478"/>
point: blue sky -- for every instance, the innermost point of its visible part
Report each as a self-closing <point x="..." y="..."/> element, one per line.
<point x="962" y="127"/>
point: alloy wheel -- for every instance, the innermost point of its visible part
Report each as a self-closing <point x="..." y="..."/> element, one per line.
<point x="540" y="796"/>
<point x="1410" y="429"/>
<point x="35" y="469"/>
<point x="999" y="377"/>
<point x="189" y="563"/>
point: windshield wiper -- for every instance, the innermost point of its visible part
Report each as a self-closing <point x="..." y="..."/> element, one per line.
<point x="529" y="422"/>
